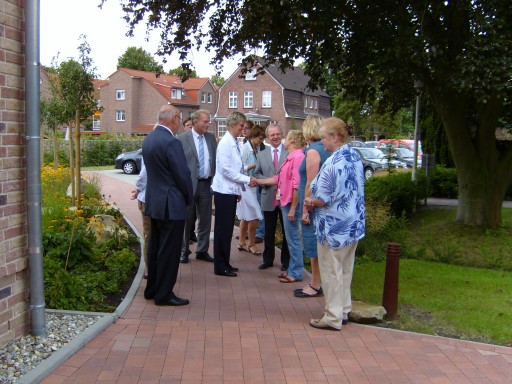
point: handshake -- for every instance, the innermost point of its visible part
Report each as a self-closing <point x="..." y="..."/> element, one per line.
<point x="254" y="182"/>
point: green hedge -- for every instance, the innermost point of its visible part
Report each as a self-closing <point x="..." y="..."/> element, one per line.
<point x="92" y="152"/>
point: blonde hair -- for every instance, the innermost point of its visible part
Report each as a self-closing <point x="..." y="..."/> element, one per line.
<point x="297" y="137"/>
<point x="335" y="126"/>
<point x="311" y="126"/>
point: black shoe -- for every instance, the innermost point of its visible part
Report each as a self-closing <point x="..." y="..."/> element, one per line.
<point x="184" y="258"/>
<point x="265" y="266"/>
<point x="193" y="237"/>
<point x="226" y="272"/>
<point x="204" y="256"/>
<point x="174" y="301"/>
<point x="283" y="268"/>
<point x="232" y="269"/>
<point x="258" y="240"/>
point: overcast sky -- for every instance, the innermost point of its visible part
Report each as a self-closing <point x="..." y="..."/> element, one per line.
<point x="63" y="21"/>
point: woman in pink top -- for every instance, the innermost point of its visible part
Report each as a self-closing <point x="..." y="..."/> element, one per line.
<point x="287" y="197"/>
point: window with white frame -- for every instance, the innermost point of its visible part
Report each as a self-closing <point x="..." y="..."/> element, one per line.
<point x="316" y="104"/>
<point x="266" y="99"/>
<point x="251" y="74"/>
<point x="210" y="98"/>
<point x="248" y="99"/>
<point x="203" y="97"/>
<point x="233" y="99"/>
<point x="306" y="103"/>
<point x="175" y="93"/>
<point x="120" y="94"/>
<point x="311" y="103"/>
<point x="221" y="124"/>
<point x="120" y="116"/>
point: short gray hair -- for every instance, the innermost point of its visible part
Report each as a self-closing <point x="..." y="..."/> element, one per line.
<point x="235" y="118"/>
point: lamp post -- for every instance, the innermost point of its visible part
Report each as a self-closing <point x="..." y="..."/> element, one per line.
<point x="418" y="85"/>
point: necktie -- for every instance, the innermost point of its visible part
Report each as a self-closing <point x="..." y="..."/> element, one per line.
<point x="201" y="157"/>
<point x="276" y="160"/>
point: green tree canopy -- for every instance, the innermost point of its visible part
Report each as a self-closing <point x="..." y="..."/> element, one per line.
<point x="218" y="80"/>
<point x="183" y="73"/>
<point x="139" y="59"/>
<point x="459" y="49"/>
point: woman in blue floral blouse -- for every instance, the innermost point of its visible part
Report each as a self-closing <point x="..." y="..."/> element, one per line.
<point x="337" y="196"/>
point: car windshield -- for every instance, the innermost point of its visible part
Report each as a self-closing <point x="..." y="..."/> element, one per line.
<point x="405" y="152"/>
<point x="371" y="153"/>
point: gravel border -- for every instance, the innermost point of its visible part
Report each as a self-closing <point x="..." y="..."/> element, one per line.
<point x="59" y="356"/>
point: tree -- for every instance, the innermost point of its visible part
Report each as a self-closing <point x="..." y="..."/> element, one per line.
<point x="53" y="112"/>
<point x="139" y="59"/>
<point x="77" y="92"/>
<point x="218" y="80"/>
<point x="183" y="73"/>
<point x="459" y="49"/>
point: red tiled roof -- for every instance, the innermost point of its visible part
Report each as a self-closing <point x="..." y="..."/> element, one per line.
<point x="163" y="84"/>
<point x="143" y="129"/>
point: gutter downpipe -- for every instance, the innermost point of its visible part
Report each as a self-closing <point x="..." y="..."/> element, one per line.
<point x="34" y="197"/>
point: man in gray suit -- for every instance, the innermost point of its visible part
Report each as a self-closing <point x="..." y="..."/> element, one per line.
<point x="267" y="165"/>
<point x="200" y="149"/>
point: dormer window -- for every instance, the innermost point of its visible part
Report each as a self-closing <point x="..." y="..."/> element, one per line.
<point x="176" y="93"/>
<point x="251" y="74"/>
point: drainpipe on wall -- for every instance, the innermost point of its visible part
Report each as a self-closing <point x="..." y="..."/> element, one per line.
<point x="34" y="213"/>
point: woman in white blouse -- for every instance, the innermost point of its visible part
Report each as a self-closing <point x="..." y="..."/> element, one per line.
<point x="227" y="185"/>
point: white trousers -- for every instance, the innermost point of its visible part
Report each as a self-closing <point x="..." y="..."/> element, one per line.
<point x="336" y="267"/>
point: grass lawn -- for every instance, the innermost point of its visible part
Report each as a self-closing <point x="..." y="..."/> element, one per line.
<point x="440" y="290"/>
<point x="98" y="168"/>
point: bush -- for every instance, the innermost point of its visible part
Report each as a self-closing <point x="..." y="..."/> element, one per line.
<point x="397" y="190"/>
<point x="80" y="274"/>
<point x="442" y="182"/>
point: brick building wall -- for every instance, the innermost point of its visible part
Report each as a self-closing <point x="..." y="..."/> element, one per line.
<point x="14" y="315"/>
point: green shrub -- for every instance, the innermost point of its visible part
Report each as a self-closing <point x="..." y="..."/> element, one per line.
<point x="442" y="182"/>
<point x="397" y="190"/>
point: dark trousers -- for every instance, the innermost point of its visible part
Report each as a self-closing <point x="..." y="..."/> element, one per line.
<point x="269" y="253"/>
<point x="225" y="209"/>
<point x="164" y="258"/>
<point x="203" y="208"/>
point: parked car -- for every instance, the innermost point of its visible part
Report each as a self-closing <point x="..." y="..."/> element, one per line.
<point x="129" y="162"/>
<point x="402" y="143"/>
<point x="374" y="160"/>
<point x="357" y="144"/>
<point x="405" y="155"/>
<point x="371" y="144"/>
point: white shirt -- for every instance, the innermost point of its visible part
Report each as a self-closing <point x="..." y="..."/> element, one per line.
<point x="207" y="172"/>
<point x="228" y="177"/>
<point x="140" y="183"/>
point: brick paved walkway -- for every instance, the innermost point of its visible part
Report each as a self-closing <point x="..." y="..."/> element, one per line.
<point x="250" y="329"/>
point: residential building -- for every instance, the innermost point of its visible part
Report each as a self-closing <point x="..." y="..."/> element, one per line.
<point x="273" y="96"/>
<point x="131" y="99"/>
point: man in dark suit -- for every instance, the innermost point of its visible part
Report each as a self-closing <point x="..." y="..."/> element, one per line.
<point x="267" y="165"/>
<point x="199" y="146"/>
<point x="168" y="195"/>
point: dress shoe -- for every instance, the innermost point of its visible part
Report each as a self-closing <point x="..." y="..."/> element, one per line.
<point x="258" y="240"/>
<point x="226" y="272"/>
<point x="265" y="266"/>
<point x="174" y="301"/>
<point x="193" y="237"/>
<point x="232" y="269"/>
<point x="204" y="256"/>
<point x="283" y="268"/>
<point x="184" y="258"/>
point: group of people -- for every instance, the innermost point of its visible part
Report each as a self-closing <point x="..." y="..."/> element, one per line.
<point x="313" y="184"/>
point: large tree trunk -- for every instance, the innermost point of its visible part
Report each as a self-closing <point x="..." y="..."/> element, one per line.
<point x="483" y="169"/>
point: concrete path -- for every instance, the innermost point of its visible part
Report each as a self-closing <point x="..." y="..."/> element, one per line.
<point x="251" y="329"/>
